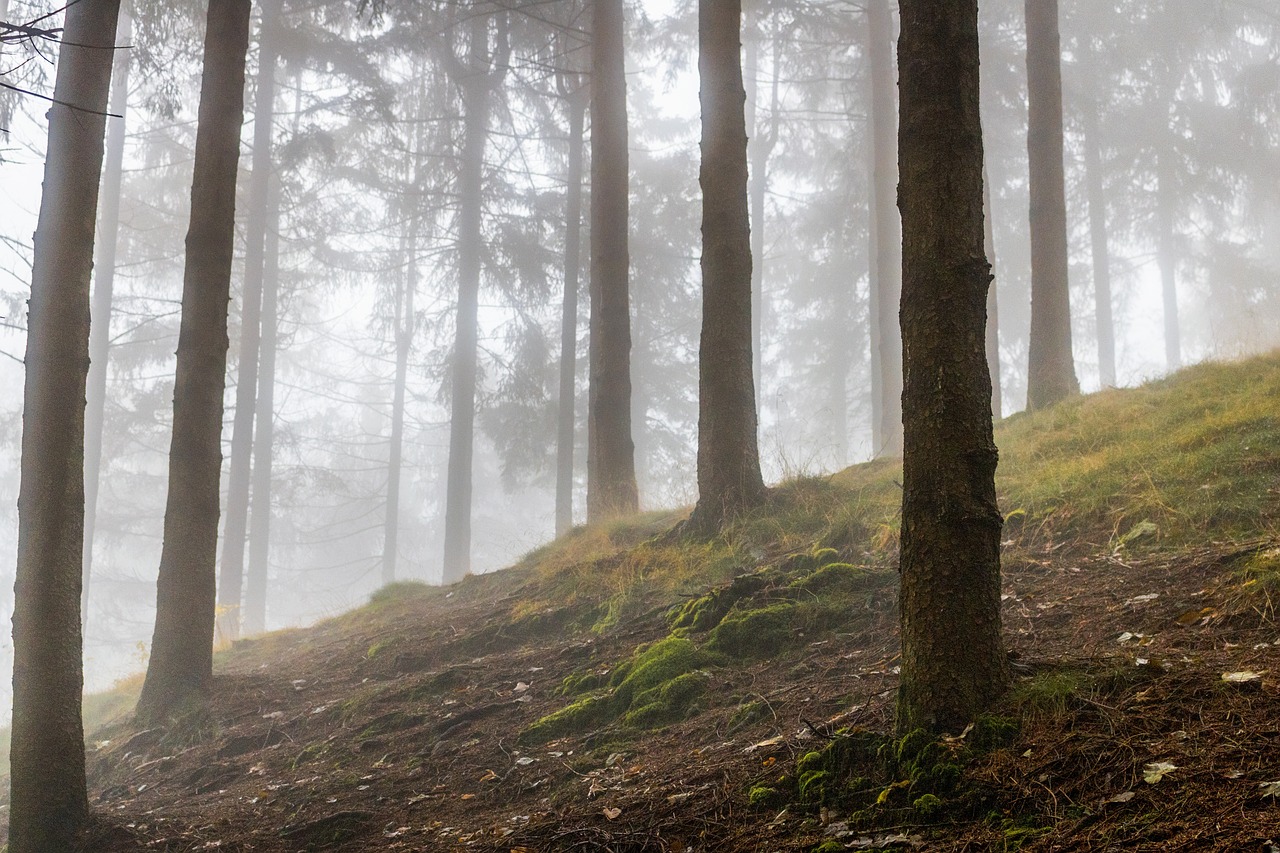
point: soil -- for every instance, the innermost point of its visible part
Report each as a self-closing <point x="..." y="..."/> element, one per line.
<point x="397" y="729"/>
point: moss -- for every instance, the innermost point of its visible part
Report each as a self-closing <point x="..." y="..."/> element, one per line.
<point x="755" y="633"/>
<point x="666" y="703"/>
<point x="575" y="684"/>
<point x="705" y="612"/>
<point x="830" y="846"/>
<point x="993" y="732"/>
<point x="748" y="713"/>
<point x="654" y="665"/>
<point x="583" y="715"/>
<point x="1049" y="693"/>
<point x="927" y="805"/>
<point x="844" y="580"/>
<point x="761" y="795"/>
<point x="399" y="591"/>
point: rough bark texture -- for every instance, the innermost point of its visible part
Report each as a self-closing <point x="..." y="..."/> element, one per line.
<point x="231" y="577"/>
<point x="1051" y="372"/>
<point x="729" y="480"/>
<point x="103" y="289"/>
<point x="611" y="467"/>
<point x="48" y="806"/>
<point x="1100" y="247"/>
<point x="181" y="662"/>
<point x="993" y="304"/>
<point x="1168" y="260"/>
<point x="255" y="598"/>
<point x="953" y="663"/>
<point x="565" y="420"/>
<point x="886" y="238"/>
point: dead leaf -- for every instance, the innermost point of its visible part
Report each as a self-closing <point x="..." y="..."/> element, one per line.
<point x="1157" y="770"/>
<point x="1270" y="789"/>
<point x="488" y="776"/>
<point x="467" y="797"/>
<point x="1122" y="797"/>
<point x="611" y="813"/>
<point x="1243" y="677"/>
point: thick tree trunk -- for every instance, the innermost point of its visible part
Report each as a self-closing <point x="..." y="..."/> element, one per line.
<point x="565" y="420"/>
<point x="48" y="806"/>
<point x="953" y="662"/>
<point x="993" y="304"/>
<point x="181" y="664"/>
<point x="729" y="480"/>
<point x="886" y="238"/>
<point x="255" y="600"/>
<point x="404" y="325"/>
<point x="476" y="91"/>
<point x="611" y="468"/>
<point x="231" y="577"/>
<point x="1168" y="260"/>
<point x="1101" y="248"/>
<point x="103" y="288"/>
<point x="1051" y="372"/>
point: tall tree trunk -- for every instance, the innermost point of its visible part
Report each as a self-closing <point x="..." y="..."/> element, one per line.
<point x="477" y="88"/>
<point x="1168" y="260"/>
<point x="993" y="304"/>
<point x="565" y="421"/>
<point x="255" y="602"/>
<point x="6" y="106"/>
<point x="1051" y="372"/>
<point x="103" y="287"/>
<point x="729" y="480"/>
<point x="404" y="324"/>
<point x="953" y="662"/>
<point x="48" y="806"/>
<point x="886" y="238"/>
<point x="611" y="468"/>
<point x="181" y="664"/>
<point x="231" y="577"/>
<point x="1100" y="247"/>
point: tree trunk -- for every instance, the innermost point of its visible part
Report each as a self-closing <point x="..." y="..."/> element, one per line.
<point x="48" y="806"/>
<point x="729" y="480"/>
<point x="1051" y="372"/>
<point x="611" y="468"/>
<point x="1168" y="260"/>
<point x="1100" y="247"/>
<point x="993" y="304"/>
<point x="181" y="664"/>
<point x="404" y="324"/>
<point x="103" y="287"/>
<point x="477" y="87"/>
<point x="255" y="604"/>
<point x="886" y="238"/>
<point x="953" y="663"/>
<point x="233" y="538"/>
<point x="565" y="420"/>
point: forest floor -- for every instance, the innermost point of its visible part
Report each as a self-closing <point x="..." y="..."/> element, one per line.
<point x="617" y="692"/>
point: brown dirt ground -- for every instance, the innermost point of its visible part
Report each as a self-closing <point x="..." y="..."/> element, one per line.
<point x="400" y="733"/>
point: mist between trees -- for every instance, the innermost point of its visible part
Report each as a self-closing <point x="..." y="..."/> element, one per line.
<point x="395" y="153"/>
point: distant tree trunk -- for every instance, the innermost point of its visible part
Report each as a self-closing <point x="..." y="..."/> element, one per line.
<point x="477" y="83"/>
<point x="1168" y="260"/>
<point x="6" y="105"/>
<point x="255" y="604"/>
<point x="231" y="578"/>
<point x="103" y="287"/>
<point x="729" y="480"/>
<point x="565" y="420"/>
<point x="1100" y="247"/>
<point x="886" y="238"/>
<point x="404" y="325"/>
<point x="48" y="806"/>
<point x="993" y="304"/>
<point x="760" y="146"/>
<point x="181" y="663"/>
<point x="611" y="468"/>
<point x="953" y="662"/>
<point x="1051" y="372"/>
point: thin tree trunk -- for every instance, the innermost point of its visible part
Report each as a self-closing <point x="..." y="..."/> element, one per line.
<point x="953" y="661"/>
<point x="181" y="664"/>
<point x="103" y="287"/>
<point x="886" y="238"/>
<point x="729" y="480"/>
<point x="611" y="468"/>
<point x="993" y="304"/>
<point x="6" y="106"/>
<point x="48" y="806"/>
<point x="1100" y="247"/>
<point x="404" y="343"/>
<point x="1168" y="261"/>
<point x="231" y="577"/>
<point x="569" y="315"/>
<point x="1051" y="372"/>
<point x="255" y="605"/>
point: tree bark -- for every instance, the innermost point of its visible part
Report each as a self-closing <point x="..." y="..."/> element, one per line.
<point x="1100" y="248"/>
<point x="886" y="238"/>
<point x="729" y="480"/>
<point x="1168" y="260"/>
<point x="103" y="288"/>
<point x="993" y="304"/>
<point x="255" y="603"/>
<point x="48" y="805"/>
<point x="231" y="577"/>
<point x="1051" y="373"/>
<point x="953" y="663"/>
<point x="181" y="664"/>
<point x="565" y="421"/>
<point x="611" y="469"/>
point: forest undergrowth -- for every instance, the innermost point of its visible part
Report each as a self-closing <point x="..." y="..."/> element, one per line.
<point x="622" y="690"/>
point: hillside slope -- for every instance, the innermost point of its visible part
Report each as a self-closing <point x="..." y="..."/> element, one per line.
<point x="618" y="692"/>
